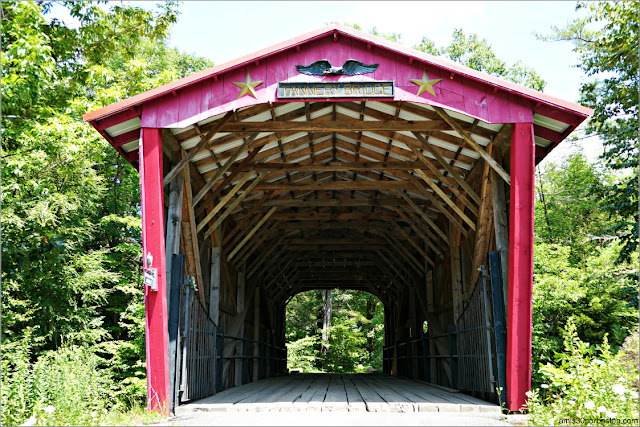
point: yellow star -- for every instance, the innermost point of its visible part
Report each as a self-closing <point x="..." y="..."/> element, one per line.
<point x="425" y="83"/>
<point x="247" y="86"/>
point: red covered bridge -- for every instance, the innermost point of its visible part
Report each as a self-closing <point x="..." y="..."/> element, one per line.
<point x="337" y="160"/>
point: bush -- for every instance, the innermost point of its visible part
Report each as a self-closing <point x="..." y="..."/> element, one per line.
<point x="346" y="351"/>
<point x="62" y="387"/>
<point x="587" y="383"/>
<point x="302" y="353"/>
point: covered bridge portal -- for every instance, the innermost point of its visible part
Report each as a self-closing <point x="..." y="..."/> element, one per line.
<point x="412" y="180"/>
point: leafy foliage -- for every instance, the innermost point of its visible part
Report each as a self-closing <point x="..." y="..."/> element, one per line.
<point x="606" y="41"/>
<point x="71" y="228"/>
<point x="473" y="52"/>
<point x="586" y="382"/>
<point x="355" y="337"/>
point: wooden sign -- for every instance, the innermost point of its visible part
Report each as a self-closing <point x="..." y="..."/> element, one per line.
<point x="374" y="89"/>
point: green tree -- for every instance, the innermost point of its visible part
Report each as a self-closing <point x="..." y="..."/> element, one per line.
<point x="606" y="41"/>
<point x="354" y="340"/>
<point x="70" y="223"/>
<point x="474" y="52"/>
<point x="567" y="210"/>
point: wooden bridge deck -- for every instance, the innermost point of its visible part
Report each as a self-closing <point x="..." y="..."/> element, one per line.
<point x="339" y="392"/>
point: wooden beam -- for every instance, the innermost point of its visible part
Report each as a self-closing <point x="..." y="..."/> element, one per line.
<point x="233" y="205"/>
<point x="414" y="244"/>
<point x="214" y="291"/>
<point x="424" y="234"/>
<point x="308" y="202"/>
<point x="222" y="170"/>
<point x="447" y="167"/>
<point x="456" y="280"/>
<point x="487" y="158"/>
<point x="259" y="239"/>
<point x="349" y="247"/>
<point x="203" y="140"/>
<point x="343" y="124"/>
<point x="194" y="235"/>
<point x="251" y="233"/>
<point x="336" y="166"/>
<point x="224" y="200"/>
<point x="174" y="219"/>
<point x="485" y="224"/>
<point x="424" y="216"/>
<point x="501" y="224"/>
<point x="446" y="198"/>
<point x="210" y="197"/>
<point x="336" y="185"/>
<point x="443" y="179"/>
<point x="520" y="265"/>
<point x="328" y="216"/>
<point x="312" y="241"/>
<point x="436" y="203"/>
<point x="239" y="225"/>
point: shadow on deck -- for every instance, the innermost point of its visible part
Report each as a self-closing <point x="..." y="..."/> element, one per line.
<point x="339" y="392"/>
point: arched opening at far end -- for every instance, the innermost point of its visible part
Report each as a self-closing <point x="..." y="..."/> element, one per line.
<point x="335" y="331"/>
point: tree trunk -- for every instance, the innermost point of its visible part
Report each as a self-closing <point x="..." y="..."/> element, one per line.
<point x="327" y="308"/>
<point x="371" y="312"/>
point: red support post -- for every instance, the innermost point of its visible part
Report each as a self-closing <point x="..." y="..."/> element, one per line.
<point x="520" y="265"/>
<point x="156" y="336"/>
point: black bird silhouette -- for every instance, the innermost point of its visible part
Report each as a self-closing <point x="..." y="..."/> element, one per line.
<point x="323" y="68"/>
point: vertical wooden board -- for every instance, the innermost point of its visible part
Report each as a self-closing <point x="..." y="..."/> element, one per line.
<point x="213" y="93"/>
<point x="190" y="104"/>
<point x="406" y="71"/>
<point x="475" y="99"/>
<point x="214" y="294"/>
<point x="276" y="68"/>
<point x="168" y="107"/>
<point x="452" y="84"/>
<point x="521" y="110"/>
<point x="499" y="110"/>
<point x="387" y="68"/>
<point x="300" y="55"/>
<point x="339" y="52"/>
<point x="149" y="117"/>
<point x="360" y="52"/>
<point x="205" y="95"/>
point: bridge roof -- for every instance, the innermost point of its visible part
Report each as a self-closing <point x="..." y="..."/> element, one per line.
<point x="466" y="93"/>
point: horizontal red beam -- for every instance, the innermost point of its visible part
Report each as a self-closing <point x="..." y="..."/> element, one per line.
<point x="115" y="119"/>
<point x="557" y="114"/>
<point x="120" y="140"/>
<point x="547" y="134"/>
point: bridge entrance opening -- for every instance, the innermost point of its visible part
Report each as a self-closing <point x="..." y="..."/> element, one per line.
<point x="335" y="331"/>
<point x="410" y="179"/>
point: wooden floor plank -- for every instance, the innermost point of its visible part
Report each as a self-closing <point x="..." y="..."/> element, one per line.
<point x="301" y="386"/>
<point x="340" y="392"/>
<point x="336" y="397"/>
<point x="249" y="403"/>
<point x="396" y="402"/>
<point x="372" y="400"/>
<point x="354" y="399"/>
<point x="320" y="391"/>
